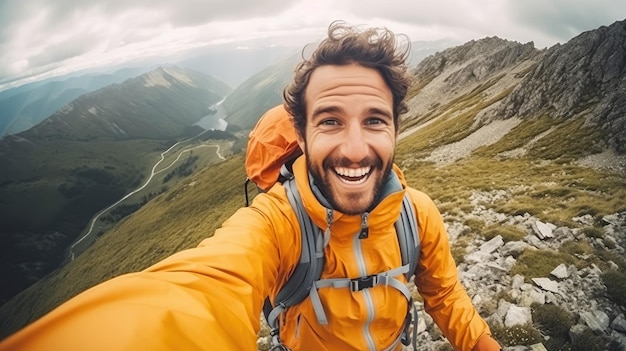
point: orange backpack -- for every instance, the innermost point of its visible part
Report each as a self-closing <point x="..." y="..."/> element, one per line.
<point x="272" y="143"/>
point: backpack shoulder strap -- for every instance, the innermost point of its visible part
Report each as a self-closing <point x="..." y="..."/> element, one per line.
<point x="308" y="269"/>
<point x="408" y="235"/>
<point x="407" y="230"/>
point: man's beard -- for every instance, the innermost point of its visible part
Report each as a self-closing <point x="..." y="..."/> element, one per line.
<point x="324" y="185"/>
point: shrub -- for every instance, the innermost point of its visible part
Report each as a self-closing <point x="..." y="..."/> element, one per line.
<point x="615" y="283"/>
<point x="517" y="335"/>
<point x="539" y="263"/>
<point x="593" y="232"/>
<point x="553" y="320"/>
<point x="588" y="341"/>
<point x="508" y="233"/>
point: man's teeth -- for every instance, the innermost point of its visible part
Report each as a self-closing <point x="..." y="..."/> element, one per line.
<point x="355" y="174"/>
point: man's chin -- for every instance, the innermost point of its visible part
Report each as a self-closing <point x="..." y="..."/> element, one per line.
<point x="353" y="204"/>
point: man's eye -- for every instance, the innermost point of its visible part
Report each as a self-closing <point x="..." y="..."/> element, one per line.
<point x="329" y="122"/>
<point x="375" y="121"/>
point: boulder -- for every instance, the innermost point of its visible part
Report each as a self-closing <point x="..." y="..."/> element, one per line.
<point x="517" y="316"/>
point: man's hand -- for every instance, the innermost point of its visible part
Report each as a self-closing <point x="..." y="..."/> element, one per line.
<point x="487" y="343"/>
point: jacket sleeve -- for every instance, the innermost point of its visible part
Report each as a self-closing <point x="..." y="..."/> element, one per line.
<point x="436" y="279"/>
<point x="208" y="298"/>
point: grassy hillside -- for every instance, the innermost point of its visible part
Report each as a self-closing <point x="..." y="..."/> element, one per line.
<point x="173" y="221"/>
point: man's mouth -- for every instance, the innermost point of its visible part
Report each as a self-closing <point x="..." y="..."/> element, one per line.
<point x="353" y="176"/>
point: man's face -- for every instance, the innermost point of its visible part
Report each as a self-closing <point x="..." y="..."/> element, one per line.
<point x="350" y="135"/>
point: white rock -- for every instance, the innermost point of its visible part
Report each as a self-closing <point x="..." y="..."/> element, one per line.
<point x="543" y="230"/>
<point x="560" y="272"/>
<point x="547" y="284"/>
<point x="514" y="248"/>
<point x="517" y="316"/>
<point x="492" y="245"/>
<point x="517" y="281"/>
<point x="478" y="257"/>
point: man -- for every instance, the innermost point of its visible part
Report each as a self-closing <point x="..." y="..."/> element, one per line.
<point x="345" y="101"/>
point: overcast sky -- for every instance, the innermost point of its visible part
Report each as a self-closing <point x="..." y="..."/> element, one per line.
<point x="39" y="38"/>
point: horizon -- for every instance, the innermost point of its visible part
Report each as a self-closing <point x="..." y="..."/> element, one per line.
<point x="39" y="40"/>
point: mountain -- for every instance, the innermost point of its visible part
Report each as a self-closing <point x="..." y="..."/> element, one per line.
<point x="583" y="78"/>
<point x="518" y="147"/>
<point x="264" y="89"/>
<point x="154" y="112"/>
<point x="259" y="93"/>
<point x="58" y="174"/>
<point x="24" y="107"/>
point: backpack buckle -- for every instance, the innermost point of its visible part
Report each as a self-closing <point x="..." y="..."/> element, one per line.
<point x="358" y="284"/>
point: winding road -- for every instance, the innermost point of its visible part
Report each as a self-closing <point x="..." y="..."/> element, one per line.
<point x="153" y="172"/>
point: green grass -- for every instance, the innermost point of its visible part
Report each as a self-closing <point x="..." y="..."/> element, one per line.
<point x="165" y="225"/>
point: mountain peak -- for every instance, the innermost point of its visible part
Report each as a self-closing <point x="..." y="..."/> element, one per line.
<point x="163" y="76"/>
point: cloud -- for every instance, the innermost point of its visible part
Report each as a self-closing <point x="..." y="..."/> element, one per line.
<point x="51" y="37"/>
<point x="37" y="34"/>
<point x="564" y="19"/>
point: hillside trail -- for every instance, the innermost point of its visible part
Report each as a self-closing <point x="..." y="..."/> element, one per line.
<point x="153" y="172"/>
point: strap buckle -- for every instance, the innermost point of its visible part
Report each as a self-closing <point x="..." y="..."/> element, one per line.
<point x="358" y="284"/>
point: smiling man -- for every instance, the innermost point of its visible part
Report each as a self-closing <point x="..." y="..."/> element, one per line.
<point x="345" y="101"/>
<point x="349" y="138"/>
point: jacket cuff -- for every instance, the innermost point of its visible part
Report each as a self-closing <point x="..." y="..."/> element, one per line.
<point x="486" y="343"/>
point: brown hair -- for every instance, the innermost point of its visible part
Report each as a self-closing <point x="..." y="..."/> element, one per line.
<point x="371" y="47"/>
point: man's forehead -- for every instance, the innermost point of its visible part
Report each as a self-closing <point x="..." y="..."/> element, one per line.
<point x="333" y="80"/>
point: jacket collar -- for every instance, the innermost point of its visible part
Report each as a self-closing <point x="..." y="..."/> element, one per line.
<point x="385" y="213"/>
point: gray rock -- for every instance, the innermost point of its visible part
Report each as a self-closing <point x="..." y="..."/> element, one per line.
<point x="527" y="298"/>
<point x="584" y="220"/>
<point x="514" y="248"/>
<point x="517" y="316"/>
<point x="547" y="284"/>
<point x="560" y="272"/>
<point x="517" y="281"/>
<point x="596" y="320"/>
<point x="543" y="230"/>
<point x="576" y="331"/>
<point x="619" y="323"/>
<point x="492" y="245"/>
<point x="478" y="257"/>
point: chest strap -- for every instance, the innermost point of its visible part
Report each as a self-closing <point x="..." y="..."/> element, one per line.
<point x="387" y="278"/>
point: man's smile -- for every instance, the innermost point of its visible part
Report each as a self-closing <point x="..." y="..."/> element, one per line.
<point x="353" y="176"/>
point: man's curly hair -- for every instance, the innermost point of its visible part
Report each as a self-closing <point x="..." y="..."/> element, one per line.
<point x="376" y="48"/>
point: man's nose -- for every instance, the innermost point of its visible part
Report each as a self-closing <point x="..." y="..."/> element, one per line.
<point x="354" y="145"/>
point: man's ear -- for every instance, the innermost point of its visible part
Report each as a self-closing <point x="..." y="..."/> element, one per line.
<point x="300" y="140"/>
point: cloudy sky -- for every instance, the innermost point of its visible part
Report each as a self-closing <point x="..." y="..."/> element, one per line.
<point x="40" y="38"/>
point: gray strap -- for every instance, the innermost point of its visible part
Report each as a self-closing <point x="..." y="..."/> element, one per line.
<point x="385" y="278"/>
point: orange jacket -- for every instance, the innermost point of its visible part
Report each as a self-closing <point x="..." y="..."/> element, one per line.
<point x="210" y="297"/>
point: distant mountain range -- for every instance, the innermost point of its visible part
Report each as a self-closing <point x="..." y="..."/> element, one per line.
<point x="87" y="155"/>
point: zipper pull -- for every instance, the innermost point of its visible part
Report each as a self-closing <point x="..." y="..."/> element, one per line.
<point x="364" y="227"/>
<point x="329" y="221"/>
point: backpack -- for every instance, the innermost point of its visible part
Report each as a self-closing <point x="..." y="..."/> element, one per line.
<point x="272" y="148"/>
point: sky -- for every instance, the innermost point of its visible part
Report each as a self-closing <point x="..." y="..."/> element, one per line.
<point x="43" y="38"/>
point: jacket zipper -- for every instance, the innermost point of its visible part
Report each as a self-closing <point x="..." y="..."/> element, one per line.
<point x="369" y="303"/>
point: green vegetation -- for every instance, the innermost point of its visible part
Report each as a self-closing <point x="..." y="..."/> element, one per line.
<point x="516" y="335"/>
<point x="508" y="233"/>
<point x="554" y="322"/>
<point x="539" y="263"/>
<point x="615" y="282"/>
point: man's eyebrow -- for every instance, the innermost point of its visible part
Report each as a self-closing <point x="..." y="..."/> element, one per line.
<point x="379" y="111"/>
<point x="325" y="109"/>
